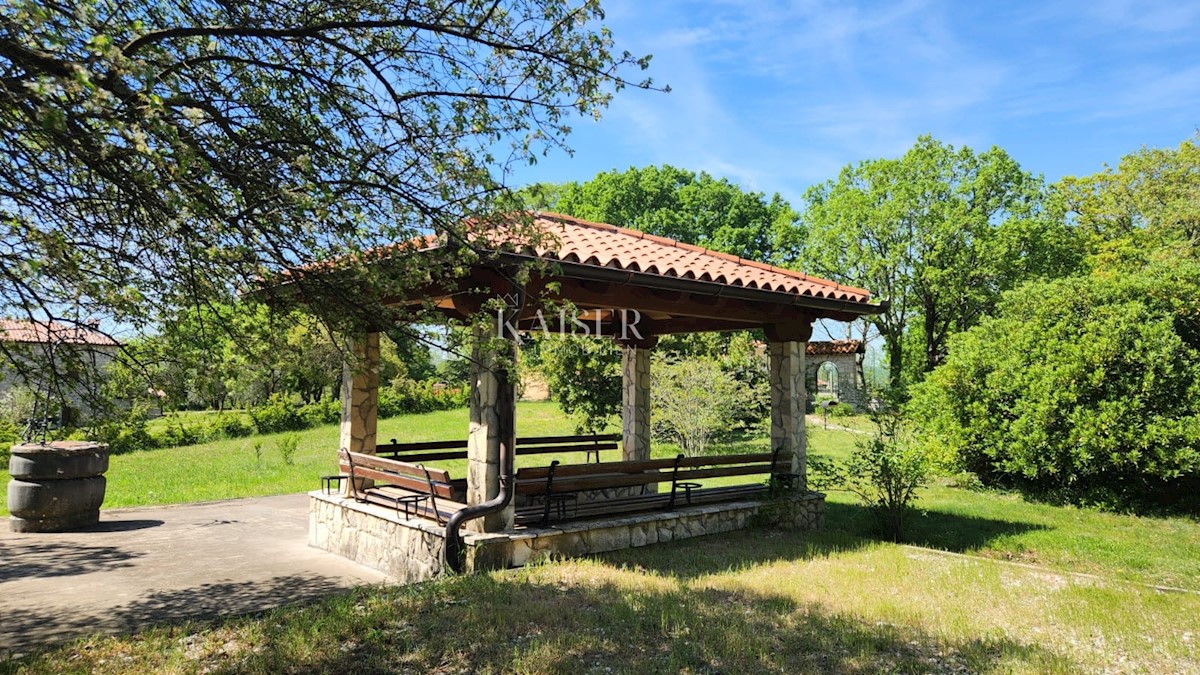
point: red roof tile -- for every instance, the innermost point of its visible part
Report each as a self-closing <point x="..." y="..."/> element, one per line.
<point x="609" y="246"/>
<point x="835" y="347"/>
<point x="39" y="332"/>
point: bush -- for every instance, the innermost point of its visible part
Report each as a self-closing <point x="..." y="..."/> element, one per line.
<point x="884" y="471"/>
<point x="278" y="414"/>
<point x="228" y="426"/>
<point x="126" y="435"/>
<point x="8" y="433"/>
<point x="1084" y="389"/>
<point x="405" y="397"/>
<point x="694" y="402"/>
<point x="584" y="377"/>
<point x="316" y="414"/>
<point x="287" y="448"/>
<point x="841" y="410"/>
<point x="177" y="434"/>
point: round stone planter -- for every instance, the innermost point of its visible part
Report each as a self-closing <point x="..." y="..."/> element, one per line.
<point x="56" y="486"/>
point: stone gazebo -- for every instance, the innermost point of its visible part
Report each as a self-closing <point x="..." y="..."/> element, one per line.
<point x="626" y="285"/>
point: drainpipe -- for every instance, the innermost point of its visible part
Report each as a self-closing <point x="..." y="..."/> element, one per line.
<point x="455" y="552"/>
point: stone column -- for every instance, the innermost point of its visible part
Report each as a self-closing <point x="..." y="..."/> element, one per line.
<point x="787" y="349"/>
<point x="360" y="398"/>
<point x="360" y="394"/>
<point x="493" y="417"/>
<point x="635" y="399"/>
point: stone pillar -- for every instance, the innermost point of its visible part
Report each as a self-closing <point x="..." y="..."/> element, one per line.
<point x="493" y="417"/>
<point x="787" y="373"/>
<point x="360" y="394"/>
<point x="635" y="399"/>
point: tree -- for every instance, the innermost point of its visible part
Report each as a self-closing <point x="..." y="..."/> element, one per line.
<point x="1153" y="194"/>
<point x="584" y="376"/>
<point x="940" y="233"/>
<point x="1085" y="388"/>
<point x="162" y="154"/>
<point x="690" y="207"/>
<point x="694" y="402"/>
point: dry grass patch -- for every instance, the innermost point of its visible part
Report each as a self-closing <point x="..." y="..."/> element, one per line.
<point x="755" y="601"/>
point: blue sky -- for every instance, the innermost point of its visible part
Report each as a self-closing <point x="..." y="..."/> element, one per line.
<point x="779" y="96"/>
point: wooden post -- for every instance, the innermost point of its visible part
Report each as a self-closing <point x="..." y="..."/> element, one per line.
<point x="360" y="396"/>
<point x="787" y="347"/>
<point x="493" y="417"/>
<point x="635" y="399"/>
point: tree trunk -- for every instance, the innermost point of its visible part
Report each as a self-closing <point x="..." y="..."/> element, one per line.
<point x="895" y="352"/>
<point x="931" y="347"/>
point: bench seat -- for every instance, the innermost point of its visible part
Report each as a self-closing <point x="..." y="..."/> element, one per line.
<point x="411" y="488"/>
<point x="555" y="490"/>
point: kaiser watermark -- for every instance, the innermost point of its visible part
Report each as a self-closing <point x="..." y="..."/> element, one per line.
<point x="621" y="324"/>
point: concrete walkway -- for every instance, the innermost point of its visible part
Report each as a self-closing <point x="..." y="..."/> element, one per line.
<point x="163" y="564"/>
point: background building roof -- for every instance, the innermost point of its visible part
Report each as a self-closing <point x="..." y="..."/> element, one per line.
<point x="40" y="332"/>
<point x="835" y="347"/>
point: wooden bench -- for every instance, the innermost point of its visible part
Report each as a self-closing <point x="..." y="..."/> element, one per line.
<point x="430" y="451"/>
<point x="414" y="489"/>
<point x="557" y="487"/>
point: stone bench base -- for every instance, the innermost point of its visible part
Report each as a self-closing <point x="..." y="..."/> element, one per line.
<point x="412" y="550"/>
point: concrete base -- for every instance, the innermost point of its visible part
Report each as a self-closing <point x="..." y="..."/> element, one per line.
<point x="410" y="550"/>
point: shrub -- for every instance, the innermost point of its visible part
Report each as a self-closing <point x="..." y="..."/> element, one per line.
<point x="841" y="410"/>
<point x="178" y="434"/>
<point x="228" y="426"/>
<point x="287" y="445"/>
<point x="8" y="433"/>
<point x="406" y="397"/>
<point x="584" y="376"/>
<point x="126" y="435"/>
<point x="1084" y="389"/>
<point x="278" y="414"/>
<point x="328" y="411"/>
<point x="884" y="471"/>
<point x="694" y="401"/>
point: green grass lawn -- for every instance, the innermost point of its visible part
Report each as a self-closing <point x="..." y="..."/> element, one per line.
<point x="1163" y="551"/>
<point x="231" y="468"/>
<point x="756" y="600"/>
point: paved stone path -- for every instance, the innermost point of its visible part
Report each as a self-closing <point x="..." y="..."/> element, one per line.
<point x="151" y="565"/>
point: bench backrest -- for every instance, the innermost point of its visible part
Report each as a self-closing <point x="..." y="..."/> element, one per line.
<point x="543" y="445"/>
<point x="526" y="445"/>
<point x="575" y="477"/>
<point x="413" y="477"/>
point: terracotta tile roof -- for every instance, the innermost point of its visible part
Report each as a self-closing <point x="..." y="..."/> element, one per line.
<point x="835" y="347"/>
<point x="12" y="330"/>
<point x="616" y="247"/>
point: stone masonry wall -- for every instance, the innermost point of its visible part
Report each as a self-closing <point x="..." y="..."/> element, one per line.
<point x="849" y="385"/>
<point x="411" y="550"/>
